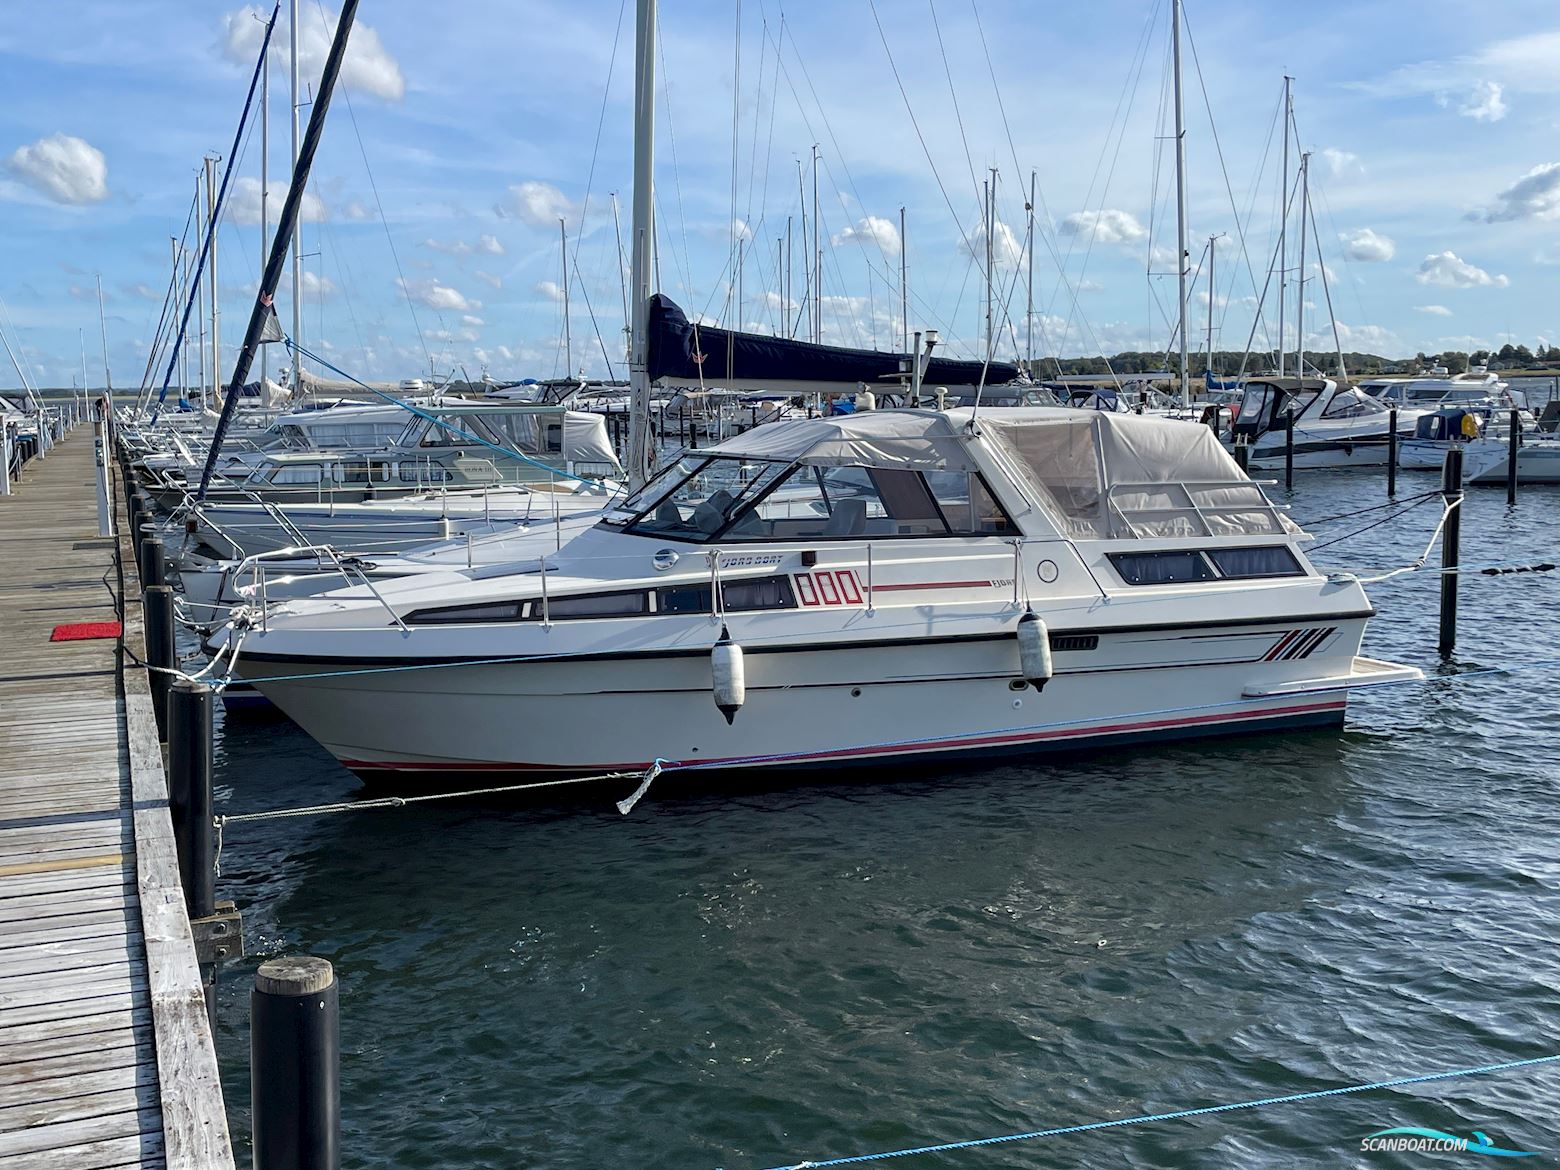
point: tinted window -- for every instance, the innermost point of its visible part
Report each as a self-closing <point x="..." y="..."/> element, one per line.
<point x="966" y="503"/>
<point x="593" y="605"/>
<point x="737" y="596"/>
<point x="498" y="611"/>
<point x="1264" y="561"/>
<point x="1161" y="568"/>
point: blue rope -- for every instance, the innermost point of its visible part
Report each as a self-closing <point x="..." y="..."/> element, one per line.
<point x="297" y="349"/>
<point x="1173" y="1115"/>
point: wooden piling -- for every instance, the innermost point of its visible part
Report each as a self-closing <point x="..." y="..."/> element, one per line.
<point x="1513" y="446"/>
<point x="1392" y="453"/>
<point x="295" y="1065"/>
<point x="1451" y="547"/>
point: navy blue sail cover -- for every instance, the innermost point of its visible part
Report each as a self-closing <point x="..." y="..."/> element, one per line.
<point x="679" y="349"/>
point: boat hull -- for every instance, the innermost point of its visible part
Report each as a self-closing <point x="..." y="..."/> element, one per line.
<point x="909" y="699"/>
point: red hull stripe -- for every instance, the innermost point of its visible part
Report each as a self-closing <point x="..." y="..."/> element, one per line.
<point x="1279" y="647"/>
<point x="897" y="749"/>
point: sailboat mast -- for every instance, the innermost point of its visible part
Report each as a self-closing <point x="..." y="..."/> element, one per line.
<point x="211" y="266"/>
<point x="297" y="232"/>
<point x="1283" y="223"/>
<point x="568" y="338"/>
<point x="108" y="380"/>
<point x="818" y="255"/>
<point x="1212" y="251"/>
<point x="790" y="285"/>
<point x="1305" y="197"/>
<point x="904" y="286"/>
<point x="202" y="215"/>
<point x="1182" y="256"/>
<point x="1029" y="279"/>
<point x="991" y="197"/>
<point x="265" y="194"/>
<point x="642" y="242"/>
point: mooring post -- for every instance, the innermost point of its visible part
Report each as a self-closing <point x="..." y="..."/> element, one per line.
<point x="190" y="706"/>
<point x="1289" y="451"/>
<point x="295" y="1065"/>
<point x="1451" y="546"/>
<point x="1513" y="445"/>
<point x="154" y="562"/>
<point x="5" y="458"/>
<point x="160" y="654"/>
<point x="1392" y="453"/>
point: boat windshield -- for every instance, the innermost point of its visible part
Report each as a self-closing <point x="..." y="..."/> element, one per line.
<point x="700" y="499"/>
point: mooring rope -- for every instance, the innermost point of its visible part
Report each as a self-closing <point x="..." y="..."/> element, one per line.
<point x="1172" y="1115"/>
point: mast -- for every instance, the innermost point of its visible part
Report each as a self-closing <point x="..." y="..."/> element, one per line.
<point x="818" y="253"/>
<point x="1305" y="197"/>
<point x="801" y="203"/>
<point x="265" y="193"/>
<point x="785" y="297"/>
<point x="642" y="243"/>
<point x="211" y="274"/>
<point x="297" y="230"/>
<point x="1208" y="363"/>
<point x="108" y="381"/>
<point x="196" y="289"/>
<point x="1283" y="223"/>
<point x="1180" y="190"/>
<point x="990" y="186"/>
<point x="904" y="286"/>
<point x="81" y="339"/>
<point x="568" y="338"/>
<point x="1029" y="294"/>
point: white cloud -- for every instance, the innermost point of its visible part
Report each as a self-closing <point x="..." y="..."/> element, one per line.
<point x="1341" y="163"/>
<point x="491" y="245"/>
<point x="474" y="322"/>
<point x="437" y="296"/>
<point x="144" y="291"/>
<point x="873" y="229"/>
<point x="1005" y="246"/>
<point x="1365" y="338"/>
<point x="489" y="278"/>
<point x="1367" y="245"/>
<point x="550" y="290"/>
<point x="66" y="169"/>
<point x="367" y="68"/>
<point x="538" y="204"/>
<point x="1451" y="271"/>
<point x="1433" y="310"/>
<point x="450" y="248"/>
<point x="1483" y="103"/>
<point x="1108" y="226"/>
<point x="1536" y="195"/>
<point x="356" y="211"/>
<point x="243" y="202"/>
<point x="317" y="286"/>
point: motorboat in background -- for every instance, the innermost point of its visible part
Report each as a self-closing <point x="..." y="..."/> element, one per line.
<point x="884" y="586"/>
<point x="1335" y="425"/>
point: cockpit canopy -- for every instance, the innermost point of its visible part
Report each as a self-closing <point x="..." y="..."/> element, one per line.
<point x="912" y="473"/>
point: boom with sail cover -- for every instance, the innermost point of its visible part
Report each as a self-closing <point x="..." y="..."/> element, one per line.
<point x="684" y="353"/>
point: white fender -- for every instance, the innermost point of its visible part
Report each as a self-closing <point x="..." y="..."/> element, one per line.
<point x="1034" y="650"/>
<point x="729" y="676"/>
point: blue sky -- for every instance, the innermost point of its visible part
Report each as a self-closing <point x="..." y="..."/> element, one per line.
<point x="1432" y="127"/>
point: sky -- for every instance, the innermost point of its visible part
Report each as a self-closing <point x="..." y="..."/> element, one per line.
<point x="464" y="131"/>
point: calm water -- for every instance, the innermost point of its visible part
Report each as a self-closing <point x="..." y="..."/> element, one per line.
<point x="833" y="968"/>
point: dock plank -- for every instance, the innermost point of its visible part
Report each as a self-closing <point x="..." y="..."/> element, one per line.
<point x="106" y="1057"/>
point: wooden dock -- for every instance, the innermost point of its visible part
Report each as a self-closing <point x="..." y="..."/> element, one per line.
<point x="106" y="1057"/>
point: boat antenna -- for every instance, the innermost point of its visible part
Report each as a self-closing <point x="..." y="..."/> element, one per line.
<point x="264" y="314"/>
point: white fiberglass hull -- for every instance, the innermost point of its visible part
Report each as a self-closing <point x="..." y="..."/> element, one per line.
<point x="1320" y="446"/>
<point x="243" y="530"/>
<point x="1488" y="461"/>
<point x="868" y="698"/>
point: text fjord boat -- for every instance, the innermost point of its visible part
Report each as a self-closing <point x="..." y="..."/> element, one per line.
<point x="867" y="588"/>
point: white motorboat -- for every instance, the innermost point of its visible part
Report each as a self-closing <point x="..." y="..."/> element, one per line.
<point x="888" y="586"/>
<point x="212" y="587"/>
<point x="1334" y="425"/>
<point x="1471" y="428"/>
<point x="1487" y="459"/>
<point x="239" y="529"/>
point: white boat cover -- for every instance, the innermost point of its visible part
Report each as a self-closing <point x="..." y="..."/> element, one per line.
<point x="585" y="439"/>
<point x="1101" y="474"/>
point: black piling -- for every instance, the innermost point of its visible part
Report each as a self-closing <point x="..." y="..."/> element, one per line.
<point x="190" y="706"/>
<point x="294" y="1065"/>
<point x="1392" y="453"/>
<point x="1242" y="453"/>
<point x="1513" y="445"/>
<point x="157" y="601"/>
<point x="1289" y="451"/>
<point x="154" y="562"/>
<point x="1451" y="547"/>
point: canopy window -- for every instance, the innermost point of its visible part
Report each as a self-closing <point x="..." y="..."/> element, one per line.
<point x="1111" y="476"/>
